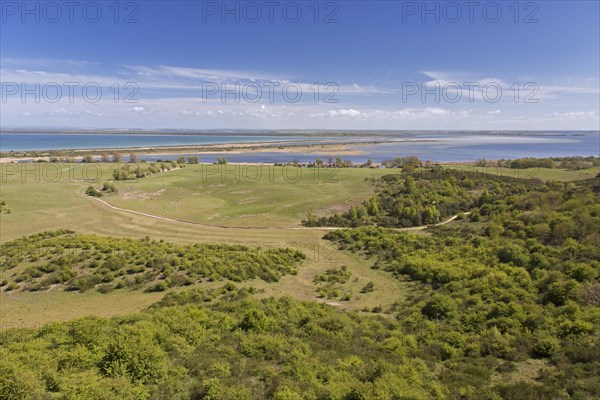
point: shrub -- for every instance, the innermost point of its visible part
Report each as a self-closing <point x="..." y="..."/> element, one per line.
<point x="439" y="307"/>
<point x="368" y="288"/>
<point x="92" y="191"/>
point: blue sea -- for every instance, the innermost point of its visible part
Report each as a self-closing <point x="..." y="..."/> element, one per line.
<point x="70" y="141"/>
<point x="444" y="147"/>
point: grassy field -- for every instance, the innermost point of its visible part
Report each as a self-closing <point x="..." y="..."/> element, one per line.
<point x="240" y="202"/>
<point x="545" y="174"/>
<point x="248" y="196"/>
<point x="39" y="199"/>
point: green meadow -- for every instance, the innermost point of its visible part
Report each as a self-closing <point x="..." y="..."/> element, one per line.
<point x="545" y="174"/>
<point x="256" y="205"/>
<point x="246" y="195"/>
<point x="202" y="204"/>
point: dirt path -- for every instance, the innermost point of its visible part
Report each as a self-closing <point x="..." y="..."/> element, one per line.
<point x="321" y="228"/>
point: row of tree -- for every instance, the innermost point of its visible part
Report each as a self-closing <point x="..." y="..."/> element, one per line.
<point x="571" y="163"/>
<point x="117" y="157"/>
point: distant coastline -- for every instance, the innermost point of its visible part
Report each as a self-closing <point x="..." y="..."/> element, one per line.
<point x="283" y="146"/>
<point x="344" y="149"/>
<point x="284" y="132"/>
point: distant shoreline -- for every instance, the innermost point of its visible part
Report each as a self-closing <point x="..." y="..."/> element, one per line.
<point x="285" y="132"/>
<point x="306" y="145"/>
<point x="319" y="149"/>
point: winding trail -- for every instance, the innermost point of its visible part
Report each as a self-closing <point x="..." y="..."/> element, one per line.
<point x="280" y="228"/>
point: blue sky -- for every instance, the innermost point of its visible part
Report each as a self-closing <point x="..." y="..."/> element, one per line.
<point x="338" y="65"/>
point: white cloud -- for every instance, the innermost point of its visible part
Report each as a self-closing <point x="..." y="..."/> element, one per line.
<point x="350" y="112"/>
<point x="573" y="114"/>
<point x="513" y="89"/>
<point x="175" y="101"/>
<point x="64" y="112"/>
<point x="143" y="110"/>
<point x="385" y="114"/>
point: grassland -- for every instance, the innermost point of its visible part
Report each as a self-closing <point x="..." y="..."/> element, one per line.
<point x="545" y="174"/>
<point x="235" y="203"/>
<point x="246" y="195"/>
<point x="51" y="196"/>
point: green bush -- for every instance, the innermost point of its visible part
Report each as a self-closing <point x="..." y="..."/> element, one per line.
<point x="82" y="262"/>
<point x="92" y="191"/>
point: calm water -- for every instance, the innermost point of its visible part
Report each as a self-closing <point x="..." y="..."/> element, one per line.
<point x="491" y="147"/>
<point x="447" y="148"/>
<point x="51" y="141"/>
<point x="440" y="147"/>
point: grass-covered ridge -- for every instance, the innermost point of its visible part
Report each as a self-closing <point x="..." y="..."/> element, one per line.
<point x="63" y="259"/>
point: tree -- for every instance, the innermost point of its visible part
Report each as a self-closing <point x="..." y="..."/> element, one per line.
<point x="361" y="212"/>
<point x="485" y="197"/>
<point x="353" y="214"/>
<point x="429" y="215"/>
<point x="120" y="175"/>
<point x="409" y="185"/>
<point x="87" y="159"/>
<point x="133" y="158"/>
<point x="414" y="160"/>
<point x="373" y="206"/>
<point x="116" y="157"/>
<point x="255" y="320"/>
<point x="439" y="307"/>
<point x="104" y="157"/>
<point x="561" y="291"/>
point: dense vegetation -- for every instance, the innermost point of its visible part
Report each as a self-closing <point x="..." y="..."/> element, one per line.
<point x="221" y="345"/>
<point x="82" y="262"/>
<point x="502" y="305"/>
<point x="521" y="283"/>
<point x="422" y="198"/>
<point x="572" y="163"/>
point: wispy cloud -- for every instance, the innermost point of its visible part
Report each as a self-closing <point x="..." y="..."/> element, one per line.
<point x="171" y="96"/>
<point x="520" y="88"/>
<point x="165" y="77"/>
